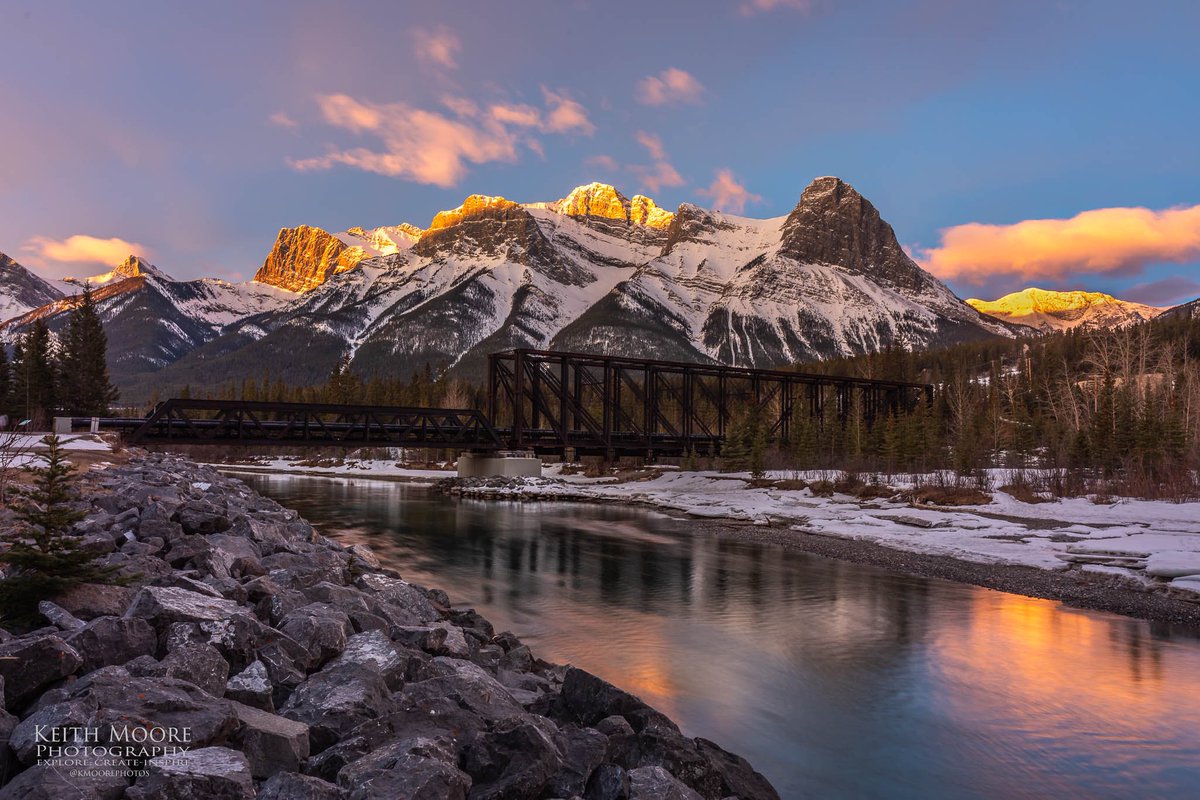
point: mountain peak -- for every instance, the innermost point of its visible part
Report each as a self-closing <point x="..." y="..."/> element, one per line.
<point x="1049" y="310"/>
<point x="304" y="257"/>
<point x="604" y="201"/>
<point x="132" y="267"/>
<point x="474" y="205"/>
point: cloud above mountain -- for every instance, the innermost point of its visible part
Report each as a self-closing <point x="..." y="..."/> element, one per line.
<point x="728" y="194"/>
<point x="435" y="147"/>
<point x="83" y="249"/>
<point x="1111" y="241"/>
<point x="438" y="47"/>
<point x="672" y="86"/>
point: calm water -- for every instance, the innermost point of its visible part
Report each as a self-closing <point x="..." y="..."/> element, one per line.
<point x="835" y="680"/>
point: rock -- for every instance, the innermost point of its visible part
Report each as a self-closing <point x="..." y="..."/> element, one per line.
<point x="334" y="701"/>
<point x="124" y="701"/>
<point x="29" y="738"/>
<point x="291" y="786"/>
<point x="582" y="750"/>
<point x="300" y="570"/>
<point x="400" y="601"/>
<point x="516" y="758"/>
<point x="655" y="746"/>
<point x="28" y="665"/>
<point x="270" y="742"/>
<point x="586" y="699"/>
<point x="201" y="664"/>
<point x="469" y="686"/>
<point x="110" y="641"/>
<point x="304" y="257"/>
<point x="416" y="768"/>
<point x="285" y="671"/>
<point x="240" y="638"/>
<point x="59" y="617"/>
<point x="88" y="777"/>
<point x="164" y="605"/>
<point x="252" y="686"/>
<point x="375" y="651"/>
<point x="201" y="517"/>
<point x="423" y="637"/>
<point x="737" y="776"/>
<point x="138" y="569"/>
<point x="655" y="783"/>
<point x="8" y="724"/>
<point x="608" y="782"/>
<point x="210" y="773"/>
<point x="273" y="602"/>
<point x="519" y="659"/>
<point x="320" y="629"/>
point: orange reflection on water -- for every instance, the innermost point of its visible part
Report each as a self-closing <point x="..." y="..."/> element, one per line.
<point x="1054" y="672"/>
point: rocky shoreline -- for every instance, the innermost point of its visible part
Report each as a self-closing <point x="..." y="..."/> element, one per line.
<point x="250" y="657"/>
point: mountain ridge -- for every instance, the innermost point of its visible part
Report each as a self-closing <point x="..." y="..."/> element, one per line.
<point x="1049" y="310"/>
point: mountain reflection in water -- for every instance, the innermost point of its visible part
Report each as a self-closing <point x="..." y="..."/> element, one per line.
<point x="833" y="679"/>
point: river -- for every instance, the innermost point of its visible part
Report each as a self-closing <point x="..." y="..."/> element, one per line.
<point x="835" y="680"/>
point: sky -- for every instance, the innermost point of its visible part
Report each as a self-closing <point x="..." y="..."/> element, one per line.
<point x="1009" y="144"/>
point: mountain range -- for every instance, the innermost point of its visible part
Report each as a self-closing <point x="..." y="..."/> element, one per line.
<point x="595" y="271"/>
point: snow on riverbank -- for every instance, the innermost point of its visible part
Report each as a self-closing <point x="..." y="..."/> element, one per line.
<point x="1153" y="543"/>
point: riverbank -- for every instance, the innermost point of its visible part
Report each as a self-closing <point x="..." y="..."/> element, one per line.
<point x="282" y="664"/>
<point x="1134" y="557"/>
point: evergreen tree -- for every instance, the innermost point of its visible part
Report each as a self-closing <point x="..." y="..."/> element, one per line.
<point x="86" y="388"/>
<point x="35" y="387"/>
<point x="5" y="382"/>
<point x="43" y="558"/>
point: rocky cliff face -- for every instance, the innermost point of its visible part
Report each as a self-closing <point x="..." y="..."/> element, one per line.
<point x="304" y="257"/>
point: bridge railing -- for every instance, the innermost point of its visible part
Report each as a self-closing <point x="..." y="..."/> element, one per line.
<point x="188" y="421"/>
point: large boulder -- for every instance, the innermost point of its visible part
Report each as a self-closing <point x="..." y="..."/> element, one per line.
<point x="270" y="742"/>
<point x="200" y="664"/>
<point x="320" y="629"/>
<point x="466" y="684"/>
<point x="737" y="776"/>
<point x="111" y="641"/>
<point x="373" y="650"/>
<point x="655" y="783"/>
<point x="335" y="701"/>
<point x="252" y="686"/>
<point x="162" y="606"/>
<point x="582" y="750"/>
<point x="586" y="699"/>
<point x="400" y="601"/>
<point x="516" y="758"/>
<point x="416" y="768"/>
<point x="293" y="786"/>
<point x="211" y="773"/>
<point x="30" y="664"/>
<point x="92" y="600"/>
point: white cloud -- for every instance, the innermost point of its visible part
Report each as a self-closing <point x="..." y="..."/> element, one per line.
<point x="669" y="87"/>
<point x="728" y="194"/>
<point x="438" y="47"/>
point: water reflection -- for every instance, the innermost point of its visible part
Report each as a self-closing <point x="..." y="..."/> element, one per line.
<point x="835" y="680"/>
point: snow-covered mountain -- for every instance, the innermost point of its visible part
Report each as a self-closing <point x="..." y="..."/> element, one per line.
<point x="1048" y="311"/>
<point x="21" y="291"/>
<point x="594" y="271"/>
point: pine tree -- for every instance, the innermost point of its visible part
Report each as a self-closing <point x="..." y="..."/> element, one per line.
<point x="35" y="388"/>
<point x="86" y="388"/>
<point x="43" y="558"/>
<point x="5" y="382"/>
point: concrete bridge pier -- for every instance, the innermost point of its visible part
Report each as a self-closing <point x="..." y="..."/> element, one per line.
<point x="501" y="464"/>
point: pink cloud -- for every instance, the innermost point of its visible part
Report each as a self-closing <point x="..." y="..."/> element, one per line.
<point x="435" y="148"/>
<point x="659" y="174"/>
<point x="728" y="194"/>
<point x="671" y="86"/>
<point x="604" y="162"/>
<point x="757" y="6"/>
<point x="565" y="115"/>
<point x="283" y="120"/>
<point x="1117" y="241"/>
<point x="438" y="47"/>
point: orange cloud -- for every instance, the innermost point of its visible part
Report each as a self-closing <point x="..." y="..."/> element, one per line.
<point x="84" y="249"/>
<point x="439" y="47"/>
<point x="728" y="194"/>
<point x="429" y="146"/>
<point x="1120" y="241"/>
<point x="669" y="87"/>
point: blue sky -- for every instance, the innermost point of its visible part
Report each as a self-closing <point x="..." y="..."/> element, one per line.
<point x="197" y="130"/>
